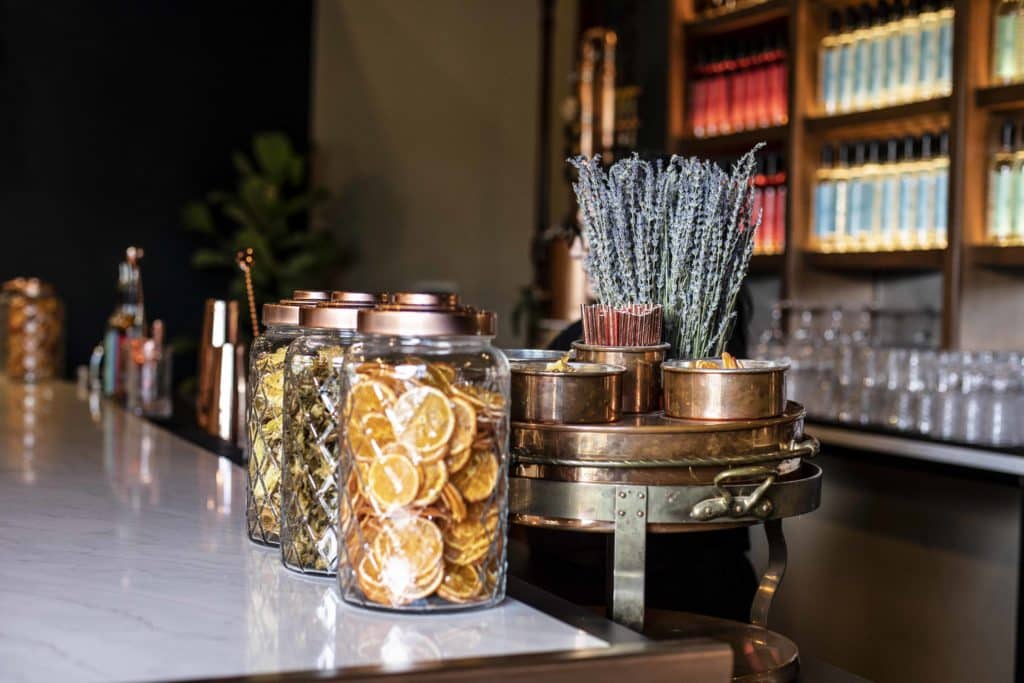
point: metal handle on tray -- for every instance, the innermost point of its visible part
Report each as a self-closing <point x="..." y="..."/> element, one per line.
<point x="725" y="504"/>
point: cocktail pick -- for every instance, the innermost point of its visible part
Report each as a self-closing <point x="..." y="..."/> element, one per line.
<point x="246" y="260"/>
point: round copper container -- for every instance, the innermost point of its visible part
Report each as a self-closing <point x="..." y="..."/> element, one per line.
<point x="753" y="391"/>
<point x="590" y="394"/>
<point x="284" y="312"/>
<point x="310" y="295"/>
<point x="333" y="315"/>
<point x="414" y="314"/>
<point x="546" y="355"/>
<point x="641" y="385"/>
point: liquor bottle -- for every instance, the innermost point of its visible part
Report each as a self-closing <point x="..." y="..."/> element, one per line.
<point x="928" y="61"/>
<point x="890" y="207"/>
<point x="857" y="219"/>
<point x="738" y="90"/>
<point x="908" y="193"/>
<point x="944" y="79"/>
<point x="829" y="63"/>
<point x="925" y="194"/>
<point x="841" y="174"/>
<point x="876" y="54"/>
<point x="126" y="323"/>
<point x="1019" y="43"/>
<point x="699" y="96"/>
<point x="760" y="180"/>
<point x="844" y="69"/>
<point x="893" y="59"/>
<point x="774" y="213"/>
<point x="778" y="77"/>
<point x="941" y="170"/>
<point x="825" y="201"/>
<point x="861" y="56"/>
<point x="872" y="233"/>
<point x="1017" y="236"/>
<point x="1001" y="194"/>
<point x="910" y="41"/>
<point x="1004" y="51"/>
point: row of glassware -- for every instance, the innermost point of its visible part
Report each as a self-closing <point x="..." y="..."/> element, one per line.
<point x="887" y="53"/>
<point x="378" y="447"/>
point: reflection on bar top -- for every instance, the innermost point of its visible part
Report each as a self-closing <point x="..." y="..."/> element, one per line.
<point x="125" y="558"/>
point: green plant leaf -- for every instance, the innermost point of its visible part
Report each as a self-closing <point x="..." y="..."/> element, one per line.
<point x="198" y="218"/>
<point x="211" y="258"/>
<point x="242" y="164"/>
<point x="297" y="171"/>
<point x="274" y="154"/>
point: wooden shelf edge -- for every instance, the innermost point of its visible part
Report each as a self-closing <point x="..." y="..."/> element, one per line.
<point x="744" y="139"/>
<point x="767" y="264"/>
<point x="752" y="15"/>
<point x="923" y="260"/>
<point x="992" y="256"/>
<point x="936" y="105"/>
<point x="1000" y="96"/>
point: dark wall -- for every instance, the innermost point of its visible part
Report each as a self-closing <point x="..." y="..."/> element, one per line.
<point x="114" y="114"/>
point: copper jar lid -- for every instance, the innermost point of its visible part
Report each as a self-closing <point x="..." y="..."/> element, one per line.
<point x="334" y="315"/>
<point x="284" y="312"/>
<point x="311" y="295"/>
<point x="413" y="314"/>
<point x="423" y="300"/>
<point x="357" y="298"/>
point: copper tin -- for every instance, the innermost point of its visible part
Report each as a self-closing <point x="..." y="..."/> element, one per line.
<point x="755" y="390"/>
<point x="310" y="295"/>
<point x="590" y="394"/>
<point x="546" y="355"/>
<point x="428" y="300"/>
<point x="357" y="298"/>
<point x="284" y="312"/>
<point x="486" y="323"/>
<point x="402" y="322"/>
<point x="332" y="315"/>
<point x="641" y="385"/>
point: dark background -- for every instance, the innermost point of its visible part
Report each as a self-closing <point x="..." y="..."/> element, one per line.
<point x="112" y="116"/>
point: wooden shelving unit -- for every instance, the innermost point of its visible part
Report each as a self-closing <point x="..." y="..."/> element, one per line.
<point x="766" y="264"/>
<point x="980" y="288"/>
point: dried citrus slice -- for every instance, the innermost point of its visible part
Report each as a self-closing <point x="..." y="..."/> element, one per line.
<point x="453" y="500"/>
<point x="477" y="479"/>
<point x="434" y="456"/>
<point x="483" y="399"/>
<point x="465" y="425"/>
<point x="417" y="542"/>
<point x="433" y="478"/>
<point x="460" y="584"/>
<point x="366" y="397"/>
<point x="368" y="435"/>
<point x="423" y="418"/>
<point x="393" y="481"/>
<point x="456" y="461"/>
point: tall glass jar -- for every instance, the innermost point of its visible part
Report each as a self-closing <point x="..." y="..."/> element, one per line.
<point x="265" y="420"/>
<point x="423" y="473"/>
<point x="309" y="496"/>
<point x="31" y="330"/>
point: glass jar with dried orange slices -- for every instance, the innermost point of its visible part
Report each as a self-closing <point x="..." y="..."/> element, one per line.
<point x="312" y="391"/>
<point x="424" y="459"/>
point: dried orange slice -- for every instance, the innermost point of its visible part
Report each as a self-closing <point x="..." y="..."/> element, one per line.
<point x="423" y="418"/>
<point x="477" y="479"/>
<point x="465" y="425"/>
<point x="415" y="541"/>
<point x="393" y="480"/>
<point x="460" y="584"/>
<point x="453" y="500"/>
<point x="456" y="461"/>
<point x="367" y="436"/>
<point x="433" y="478"/>
<point x="366" y="397"/>
<point x="434" y="456"/>
<point x="482" y="399"/>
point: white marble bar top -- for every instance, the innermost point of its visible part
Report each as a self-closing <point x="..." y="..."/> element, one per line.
<point x="123" y="557"/>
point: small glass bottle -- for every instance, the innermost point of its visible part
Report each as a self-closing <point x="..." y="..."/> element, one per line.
<point x="890" y="207"/>
<point x="841" y="174"/>
<point x="829" y="64"/>
<point x="825" y="201"/>
<point x="1017" y="229"/>
<point x="928" y="61"/>
<point x="925" y="193"/>
<point x="861" y="57"/>
<point x="1001" y="191"/>
<point x="910" y="42"/>
<point x="940" y="168"/>
<point x="873" y="184"/>
<point x="858" y="219"/>
<point x="944" y="79"/>
<point x="1018" y="43"/>
<point x="908" y="193"/>
<point x="893" y="53"/>
<point x="1005" y="37"/>
<point x="847" y="59"/>
<point x="127" y="322"/>
<point x="312" y="394"/>
<point x="876" y="54"/>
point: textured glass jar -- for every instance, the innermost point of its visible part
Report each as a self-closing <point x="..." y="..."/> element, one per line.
<point x="312" y="390"/>
<point x="31" y="330"/>
<point x="264" y="416"/>
<point x="423" y="473"/>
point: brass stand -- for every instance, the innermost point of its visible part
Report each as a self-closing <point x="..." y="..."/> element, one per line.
<point x="654" y="474"/>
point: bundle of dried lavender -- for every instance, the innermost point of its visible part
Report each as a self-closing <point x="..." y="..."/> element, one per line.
<point x="678" y="234"/>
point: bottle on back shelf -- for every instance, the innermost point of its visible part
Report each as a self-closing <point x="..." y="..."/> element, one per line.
<point x="861" y="56"/>
<point x="876" y="54"/>
<point x="857" y="220"/>
<point x="890" y="206"/>
<point x="893" y="53"/>
<point x="825" y="201"/>
<point x="940" y="167"/>
<point x="1004" y="38"/>
<point x="1017" y="229"/>
<point x="926" y="194"/>
<point x="126" y="323"/>
<point x="841" y="173"/>
<point x="910" y="41"/>
<point x="944" y="79"/>
<point x="1002" y="199"/>
<point x="829" y="63"/>
<point x="928" y="61"/>
<point x="872" y="231"/>
<point x="908" y="193"/>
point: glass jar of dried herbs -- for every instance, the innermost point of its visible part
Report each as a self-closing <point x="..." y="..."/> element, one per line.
<point x="312" y="390"/>
<point x="423" y="475"/>
<point x="265" y="420"/>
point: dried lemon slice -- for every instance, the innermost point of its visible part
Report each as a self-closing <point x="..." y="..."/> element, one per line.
<point x="366" y="397"/>
<point x="457" y="460"/>
<point x="366" y="437"/>
<point x="465" y="425"/>
<point x="433" y="478"/>
<point x="414" y="541"/>
<point x="423" y="418"/>
<point x="393" y="480"/>
<point x="453" y="500"/>
<point x="477" y="479"/>
<point x="460" y="584"/>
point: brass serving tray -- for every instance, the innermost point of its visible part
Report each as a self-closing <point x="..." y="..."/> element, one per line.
<point x="653" y="440"/>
